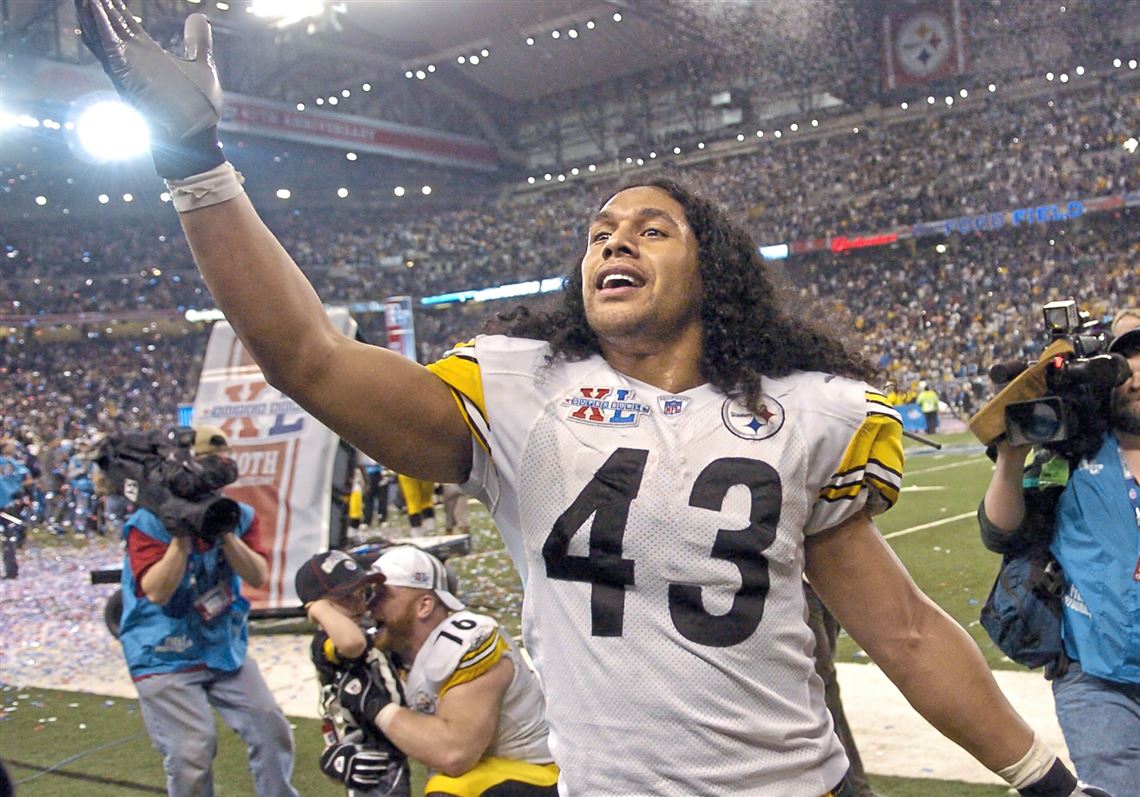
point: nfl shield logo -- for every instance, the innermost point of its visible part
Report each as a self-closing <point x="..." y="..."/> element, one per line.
<point x="673" y="405"/>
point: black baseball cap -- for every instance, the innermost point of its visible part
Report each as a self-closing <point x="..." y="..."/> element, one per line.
<point x="332" y="574"/>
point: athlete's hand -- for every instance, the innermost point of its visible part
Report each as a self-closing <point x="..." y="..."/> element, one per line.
<point x="356" y="766"/>
<point x="361" y="696"/>
<point x="180" y="96"/>
<point x="1060" y="782"/>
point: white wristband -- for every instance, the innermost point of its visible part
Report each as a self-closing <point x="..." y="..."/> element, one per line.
<point x="1033" y="766"/>
<point x="220" y="184"/>
<point x="384" y="716"/>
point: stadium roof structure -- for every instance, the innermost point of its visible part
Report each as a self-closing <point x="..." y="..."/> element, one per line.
<point x="466" y="66"/>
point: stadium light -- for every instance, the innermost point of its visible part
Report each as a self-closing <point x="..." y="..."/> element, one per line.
<point x="41" y="200"/>
<point x="110" y="130"/>
<point x="284" y="13"/>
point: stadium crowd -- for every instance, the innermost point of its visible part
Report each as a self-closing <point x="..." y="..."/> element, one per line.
<point x="922" y="314"/>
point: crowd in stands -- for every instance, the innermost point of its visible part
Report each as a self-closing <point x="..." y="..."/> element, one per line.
<point x="921" y="314"/>
<point x="920" y="166"/>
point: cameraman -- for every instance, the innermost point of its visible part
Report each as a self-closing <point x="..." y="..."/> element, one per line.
<point x="1095" y="528"/>
<point x="184" y="631"/>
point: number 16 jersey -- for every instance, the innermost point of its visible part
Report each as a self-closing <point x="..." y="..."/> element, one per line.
<point x="660" y="540"/>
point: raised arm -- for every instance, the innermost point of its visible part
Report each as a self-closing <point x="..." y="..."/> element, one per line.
<point x="1005" y="500"/>
<point x="381" y="402"/>
<point x="385" y="404"/>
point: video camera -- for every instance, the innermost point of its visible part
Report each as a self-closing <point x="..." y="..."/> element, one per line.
<point x="159" y="471"/>
<point x="1078" y="384"/>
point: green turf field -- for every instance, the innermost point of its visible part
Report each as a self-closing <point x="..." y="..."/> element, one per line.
<point x="58" y="744"/>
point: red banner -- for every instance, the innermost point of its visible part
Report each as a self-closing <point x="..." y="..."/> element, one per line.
<point x="923" y="44"/>
<point x="277" y="120"/>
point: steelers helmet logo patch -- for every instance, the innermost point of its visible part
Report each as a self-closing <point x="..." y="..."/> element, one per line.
<point x="742" y="422"/>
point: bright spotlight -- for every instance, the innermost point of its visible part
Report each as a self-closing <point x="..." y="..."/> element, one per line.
<point x="342" y="192"/>
<point x="112" y="131"/>
<point x="398" y="190"/>
<point x="284" y="193"/>
<point x="286" y="12"/>
<point x="426" y="190"/>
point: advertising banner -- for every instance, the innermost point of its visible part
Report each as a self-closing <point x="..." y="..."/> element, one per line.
<point x="284" y="457"/>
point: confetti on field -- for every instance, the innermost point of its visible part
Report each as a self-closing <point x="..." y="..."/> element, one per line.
<point x="53" y="618"/>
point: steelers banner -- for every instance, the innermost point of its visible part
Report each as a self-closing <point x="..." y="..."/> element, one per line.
<point x="923" y="43"/>
<point x="284" y="457"/>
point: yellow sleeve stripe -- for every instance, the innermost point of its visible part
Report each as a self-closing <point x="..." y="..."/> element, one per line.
<point x="476" y="662"/>
<point x="329" y="650"/>
<point x="460" y="370"/>
<point x="877" y="398"/>
<point x="874" y="457"/>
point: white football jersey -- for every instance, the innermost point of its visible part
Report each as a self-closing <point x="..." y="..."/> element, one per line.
<point x="460" y="649"/>
<point x="660" y="539"/>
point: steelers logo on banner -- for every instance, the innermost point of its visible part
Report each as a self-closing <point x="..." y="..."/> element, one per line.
<point x="923" y="44"/>
<point x="743" y="423"/>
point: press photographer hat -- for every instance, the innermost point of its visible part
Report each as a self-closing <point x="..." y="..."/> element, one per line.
<point x="408" y="566"/>
<point x="332" y="574"/>
<point x="210" y="440"/>
<point x="1126" y="328"/>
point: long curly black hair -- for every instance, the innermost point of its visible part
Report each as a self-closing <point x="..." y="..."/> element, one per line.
<point x="746" y="332"/>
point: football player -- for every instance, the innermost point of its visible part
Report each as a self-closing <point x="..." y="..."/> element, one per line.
<point x="474" y="710"/>
<point x="665" y="455"/>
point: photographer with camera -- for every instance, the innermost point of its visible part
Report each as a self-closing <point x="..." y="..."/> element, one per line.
<point x="1081" y="496"/>
<point x="185" y="624"/>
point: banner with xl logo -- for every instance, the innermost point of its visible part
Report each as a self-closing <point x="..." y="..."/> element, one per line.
<point x="284" y="457"/>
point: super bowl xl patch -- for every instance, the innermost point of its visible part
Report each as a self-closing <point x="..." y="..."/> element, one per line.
<point x="742" y="422"/>
<point x="605" y="406"/>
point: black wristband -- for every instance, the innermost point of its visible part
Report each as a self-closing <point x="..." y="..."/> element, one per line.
<point x="177" y="160"/>
<point x="1058" y="782"/>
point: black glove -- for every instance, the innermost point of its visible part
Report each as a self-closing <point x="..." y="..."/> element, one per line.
<point x="181" y="98"/>
<point x="357" y="766"/>
<point x="361" y="696"/>
<point x="1060" y="782"/>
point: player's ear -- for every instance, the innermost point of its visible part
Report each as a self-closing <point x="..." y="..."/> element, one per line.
<point x="426" y="605"/>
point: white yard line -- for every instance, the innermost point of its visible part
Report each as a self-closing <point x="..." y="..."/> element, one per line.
<point x="930" y="525"/>
<point x="947" y="466"/>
